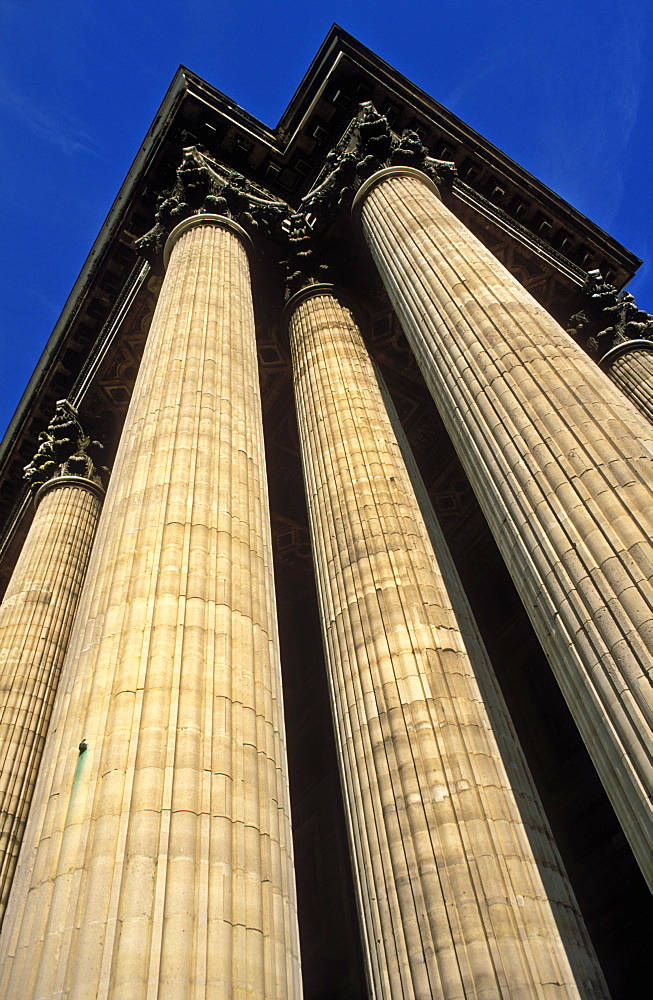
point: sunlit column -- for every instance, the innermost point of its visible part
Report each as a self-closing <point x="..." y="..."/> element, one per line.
<point x="630" y="366"/>
<point x="158" y="862"/>
<point x="559" y="461"/>
<point x="36" y="617"/>
<point x="460" y="889"/>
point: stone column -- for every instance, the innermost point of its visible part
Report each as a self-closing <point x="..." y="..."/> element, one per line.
<point x="461" y="891"/>
<point x="158" y="862"/>
<point x="559" y="461"/>
<point x="630" y="366"/>
<point x="36" y="617"/>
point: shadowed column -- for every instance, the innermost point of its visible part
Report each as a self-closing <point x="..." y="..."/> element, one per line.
<point x="461" y="892"/>
<point x="158" y="861"/>
<point x="630" y="366"/>
<point x="36" y="617"/>
<point x="559" y="461"/>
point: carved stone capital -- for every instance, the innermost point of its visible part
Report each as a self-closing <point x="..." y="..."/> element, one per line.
<point x="205" y="186"/>
<point x="306" y="263"/>
<point x="368" y="147"/>
<point x="64" y="450"/>
<point x="608" y="318"/>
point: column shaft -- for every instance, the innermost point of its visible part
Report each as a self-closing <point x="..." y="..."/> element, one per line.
<point x="559" y="462"/>
<point x="160" y="860"/>
<point x="630" y="366"/>
<point x="36" y="617"/>
<point x="460" y="893"/>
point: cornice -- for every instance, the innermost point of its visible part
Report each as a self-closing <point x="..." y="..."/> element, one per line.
<point x="339" y="47"/>
<point x="521" y="234"/>
<point x="111" y="225"/>
<point x="192" y="105"/>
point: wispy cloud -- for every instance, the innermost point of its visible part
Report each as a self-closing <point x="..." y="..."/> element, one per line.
<point x="597" y="139"/>
<point x="49" y="123"/>
<point x="479" y="71"/>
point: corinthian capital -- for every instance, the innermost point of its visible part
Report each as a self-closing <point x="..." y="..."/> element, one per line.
<point x="608" y="317"/>
<point x="369" y="145"/>
<point x="64" y="450"/>
<point x="203" y="185"/>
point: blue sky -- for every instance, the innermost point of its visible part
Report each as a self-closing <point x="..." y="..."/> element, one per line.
<point x="559" y="85"/>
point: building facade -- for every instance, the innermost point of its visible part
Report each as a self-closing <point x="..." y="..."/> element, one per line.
<point x="327" y="534"/>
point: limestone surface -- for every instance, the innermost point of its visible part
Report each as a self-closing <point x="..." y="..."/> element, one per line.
<point x="451" y="851"/>
<point x="36" y="618"/>
<point x="159" y="860"/>
<point x="560" y="462"/>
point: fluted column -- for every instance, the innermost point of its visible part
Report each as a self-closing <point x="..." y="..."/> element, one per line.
<point x="461" y="891"/>
<point x="630" y="366"/>
<point x="559" y="461"/>
<point x="36" y="617"/>
<point x="158" y="862"/>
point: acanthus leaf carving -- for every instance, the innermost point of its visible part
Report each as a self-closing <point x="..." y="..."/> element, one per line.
<point x="306" y="262"/>
<point x="608" y="318"/>
<point x="203" y="185"/>
<point x="64" y="450"/>
<point x="367" y="145"/>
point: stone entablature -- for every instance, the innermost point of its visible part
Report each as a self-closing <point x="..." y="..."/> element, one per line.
<point x="535" y="231"/>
